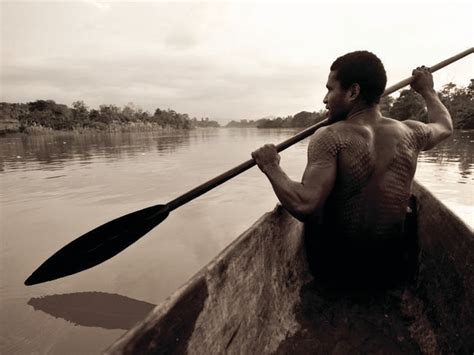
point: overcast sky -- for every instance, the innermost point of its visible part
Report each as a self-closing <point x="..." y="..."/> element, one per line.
<point x="222" y="60"/>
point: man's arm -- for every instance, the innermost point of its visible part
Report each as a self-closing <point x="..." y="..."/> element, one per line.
<point x="303" y="199"/>
<point x="440" y="125"/>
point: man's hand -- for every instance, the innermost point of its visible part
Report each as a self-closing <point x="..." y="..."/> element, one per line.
<point x="440" y="124"/>
<point x="266" y="157"/>
<point x="423" y="80"/>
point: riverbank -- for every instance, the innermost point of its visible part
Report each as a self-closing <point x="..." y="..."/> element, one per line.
<point x="112" y="128"/>
<point x="46" y="115"/>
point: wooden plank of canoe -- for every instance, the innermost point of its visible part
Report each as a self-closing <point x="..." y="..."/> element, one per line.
<point x="445" y="281"/>
<point x="258" y="296"/>
<point x="245" y="295"/>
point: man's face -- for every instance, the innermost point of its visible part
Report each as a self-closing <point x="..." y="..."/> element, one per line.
<point x="336" y="100"/>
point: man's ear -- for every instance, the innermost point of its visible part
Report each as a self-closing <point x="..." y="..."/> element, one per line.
<point x="354" y="92"/>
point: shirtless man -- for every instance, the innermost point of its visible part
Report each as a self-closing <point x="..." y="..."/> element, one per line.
<point x="357" y="183"/>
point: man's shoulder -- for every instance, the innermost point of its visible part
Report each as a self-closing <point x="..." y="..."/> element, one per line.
<point x="396" y="123"/>
<point x="419" y="130"/>
<point x="326" y="140"/>
<point x="341" y="128"/>
<point x="404" y="127"/>
<point x="347" y="130"/>
<point x="418" y="133"/>
<point x="326" y="132"/>
<point x="413" y="124"/>
<point x="336" y="132"/>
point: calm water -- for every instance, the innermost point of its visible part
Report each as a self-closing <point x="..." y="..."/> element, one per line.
<point x="55" y="188"/>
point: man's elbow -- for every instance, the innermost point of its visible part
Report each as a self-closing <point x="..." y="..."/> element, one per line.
<point x="448" y="133"/>
<point x="449" y="124"/>
<point x="448" y="130"/>
<point x="443" y="130"/>
<point x="304" y="212"/>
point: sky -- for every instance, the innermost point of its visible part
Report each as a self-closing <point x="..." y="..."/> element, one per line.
<point x="218" y="59"/>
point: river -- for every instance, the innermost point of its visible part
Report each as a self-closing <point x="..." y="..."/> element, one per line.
<point x="55" y="188"/>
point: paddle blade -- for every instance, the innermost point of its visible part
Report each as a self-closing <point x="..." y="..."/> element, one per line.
<point x="99" y="245"/>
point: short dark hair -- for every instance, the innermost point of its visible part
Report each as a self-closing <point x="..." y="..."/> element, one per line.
<point x="363" y="68"/>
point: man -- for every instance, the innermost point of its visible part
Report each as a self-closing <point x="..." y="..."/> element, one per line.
<point x="356" y="187"/>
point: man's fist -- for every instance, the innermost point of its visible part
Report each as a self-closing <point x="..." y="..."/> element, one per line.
<point x="266" y="156"/>
<point x="423" y="80"/>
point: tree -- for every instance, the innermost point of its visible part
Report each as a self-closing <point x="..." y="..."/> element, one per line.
<point x="242" y="124"/>
<point x="47" y="113"/>
<point x="80" y="113"/>
<point x="128" y="113"/>
<point x="460" y="104"/>
<point x="301" y="119"/>
<point x="409" y="105"/>
<point x="109" y="114"/>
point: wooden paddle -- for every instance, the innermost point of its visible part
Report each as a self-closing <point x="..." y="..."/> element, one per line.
<point x="111" y="238"/>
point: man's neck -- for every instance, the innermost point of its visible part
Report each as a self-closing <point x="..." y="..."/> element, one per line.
<point x="363" y="110"/>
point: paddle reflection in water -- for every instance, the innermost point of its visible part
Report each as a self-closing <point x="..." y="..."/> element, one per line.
<point x="94" y="309"/>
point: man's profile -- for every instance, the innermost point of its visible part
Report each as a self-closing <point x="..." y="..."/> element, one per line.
<point x="356" y="187"/>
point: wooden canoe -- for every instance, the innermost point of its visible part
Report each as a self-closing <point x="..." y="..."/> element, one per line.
<point x="258" y="297"/>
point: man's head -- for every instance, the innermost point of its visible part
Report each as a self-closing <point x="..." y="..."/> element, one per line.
<point x="357" y="77"/>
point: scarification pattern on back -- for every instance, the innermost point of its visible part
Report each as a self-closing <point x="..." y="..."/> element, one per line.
<point x="355" y="166"/>
<point x="371" y="192"/>
<point x="395" y="190"/>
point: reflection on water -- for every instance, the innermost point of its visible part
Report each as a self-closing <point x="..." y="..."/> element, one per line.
<point x="55" y="188"/>
<point x="457" y="150"/>
<point x="447" y="171"/>
<point x="94" y="309"/>
<point x="56" y="150"/>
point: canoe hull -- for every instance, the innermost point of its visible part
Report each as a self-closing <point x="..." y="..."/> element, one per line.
<point x="258" y="296"/>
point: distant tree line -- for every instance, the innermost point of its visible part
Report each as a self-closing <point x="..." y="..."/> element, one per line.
<point x="49" y="114"/>
<point x="242" y="124"/>
<point x="299" y="120"/>
<point x="408" y="105"/>
<point x="204" y="123"/>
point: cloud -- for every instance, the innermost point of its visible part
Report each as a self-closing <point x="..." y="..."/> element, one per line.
<point x="99" y="4"/>
<point x="181" y="41"/>
<point x="218" y="60"/>
<point x="194" y="84"/>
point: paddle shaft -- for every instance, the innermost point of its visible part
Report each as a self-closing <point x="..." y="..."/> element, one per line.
<point x="218" y="180"/>
<point x="434" y="68"/>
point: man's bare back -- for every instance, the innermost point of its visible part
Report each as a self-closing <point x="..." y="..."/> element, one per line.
<point x="376" y="162"/>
